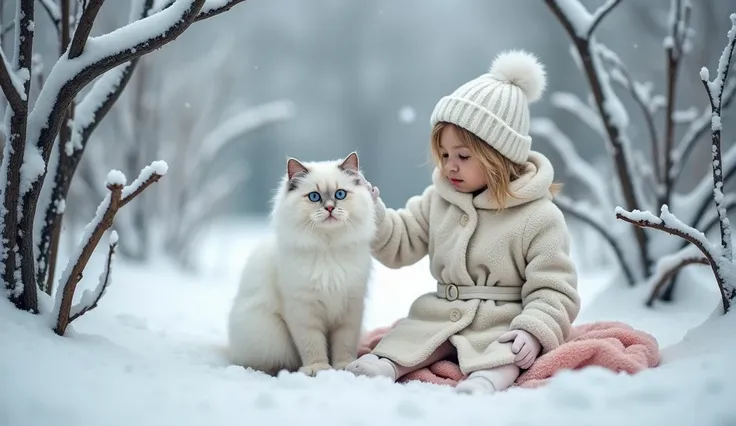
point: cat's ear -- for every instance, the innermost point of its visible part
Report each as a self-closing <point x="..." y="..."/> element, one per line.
<point x="350" y="163"/>
<point x="294" y="167"/>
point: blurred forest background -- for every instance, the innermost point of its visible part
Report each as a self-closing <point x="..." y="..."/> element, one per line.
<point x="228" y="101"/>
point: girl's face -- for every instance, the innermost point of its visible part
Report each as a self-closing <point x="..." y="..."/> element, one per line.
<point x="463" y="171"/>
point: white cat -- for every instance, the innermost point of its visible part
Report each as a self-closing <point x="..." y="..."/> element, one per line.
<point x="300" y="301"/>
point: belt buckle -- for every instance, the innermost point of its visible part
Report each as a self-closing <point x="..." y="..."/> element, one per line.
<point x="451" y="292"/>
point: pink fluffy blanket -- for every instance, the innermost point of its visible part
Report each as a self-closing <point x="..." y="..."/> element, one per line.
<point x="613" y="345"/>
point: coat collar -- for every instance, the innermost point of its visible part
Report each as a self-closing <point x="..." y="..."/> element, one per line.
<point x="530" y="186"/>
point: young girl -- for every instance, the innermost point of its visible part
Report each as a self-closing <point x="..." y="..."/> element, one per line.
<point x="498" y="246"/>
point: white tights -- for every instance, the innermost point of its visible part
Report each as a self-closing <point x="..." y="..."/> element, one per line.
<point x="482" y="381"/>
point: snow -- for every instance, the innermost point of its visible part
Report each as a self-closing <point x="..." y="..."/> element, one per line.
<point x="407" y="114"/>
<point x="116" y="177"/>
<point x="580" y="18"/>
<point x="158" y="167"/>
<point x="151" y="354"/>
<point x="579" y="168"/>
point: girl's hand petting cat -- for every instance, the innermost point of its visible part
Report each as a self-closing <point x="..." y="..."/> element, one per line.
<point x="525" y="346"/>
<point x="373" y="189"/>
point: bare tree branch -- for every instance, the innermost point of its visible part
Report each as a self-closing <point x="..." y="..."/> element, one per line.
<point x="669" y="266"/>
<point x="84" y="28"/>
<point x="569" y="207"/>
<point x="6" y="29"/>
<point x="674" y="48"/>
<point x="697" y="129"/>
<point x="14" y="97"/>
<point x="91" y="299"/>
<point x="53" y="11"/>
<point x="601" y="13"/>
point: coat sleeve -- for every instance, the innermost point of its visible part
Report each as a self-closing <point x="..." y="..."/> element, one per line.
<point x="549" y="295"/>
<point x="402" y="237"/>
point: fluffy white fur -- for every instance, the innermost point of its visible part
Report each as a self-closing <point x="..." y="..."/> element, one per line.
<point x="522" y="69"/>
<point x="301" y="298"/>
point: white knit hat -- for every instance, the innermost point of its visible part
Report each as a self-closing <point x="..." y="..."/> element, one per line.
<point x="495" y="105"/>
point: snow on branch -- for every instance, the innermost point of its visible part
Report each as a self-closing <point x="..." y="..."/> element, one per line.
<point x="210" y="8"/>
<point x="582" y="170"/>
<point x="574" y="105"/>
<point x="119" y="196"/>
<point x="723" y="269"/>
<point x="580" y="20"/>
<point x="641" y="93"/>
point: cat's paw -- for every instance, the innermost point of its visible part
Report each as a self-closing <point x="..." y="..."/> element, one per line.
<point x="313" y="369"/>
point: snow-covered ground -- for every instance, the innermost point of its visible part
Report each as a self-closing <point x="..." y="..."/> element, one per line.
<point x="151" y="354"/>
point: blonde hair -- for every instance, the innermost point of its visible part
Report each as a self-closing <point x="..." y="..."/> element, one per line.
<point x="499" y="170"/>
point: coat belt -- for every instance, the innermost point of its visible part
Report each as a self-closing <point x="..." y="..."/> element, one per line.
<point x="467" y="292"/>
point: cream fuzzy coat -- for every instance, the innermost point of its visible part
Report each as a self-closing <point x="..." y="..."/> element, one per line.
<point x="470" y="242"/>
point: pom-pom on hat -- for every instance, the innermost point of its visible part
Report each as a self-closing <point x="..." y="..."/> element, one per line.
<point x="495" y="105"/>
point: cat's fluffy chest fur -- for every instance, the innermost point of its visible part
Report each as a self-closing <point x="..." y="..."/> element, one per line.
<point x="300" y="301"/>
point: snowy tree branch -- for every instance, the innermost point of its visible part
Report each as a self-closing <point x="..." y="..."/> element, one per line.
<point x="91" y="299"/>
<point x="702" y="195"/>
<point x="674" y="47"/>
<point x="88" y="115"/>
<point x="708" y="221"/>
<point x="575" y="165"/>
<point x="575" y="106"/>
<point x="84" y="28"/>
<point x="65" y="80"/>
<point x="722" y="267"/>
<point x="16" y="158"/>
<point x="578" y="22"/>
<point x="590" y="218"/>
<point x="118" y="197"/>
<point x="639" y="93"/>
<point x="715" y="95"/>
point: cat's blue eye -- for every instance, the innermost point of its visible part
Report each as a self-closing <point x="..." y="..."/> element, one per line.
<point x="340" y="194"/>
<point x="314" y="196"/>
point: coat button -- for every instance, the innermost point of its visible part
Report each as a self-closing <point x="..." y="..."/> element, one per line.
<point x="464" y="220"/>
<point x="455" y="315"/>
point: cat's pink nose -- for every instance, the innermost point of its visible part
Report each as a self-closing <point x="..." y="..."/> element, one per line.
<point x="329" y="208"/>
